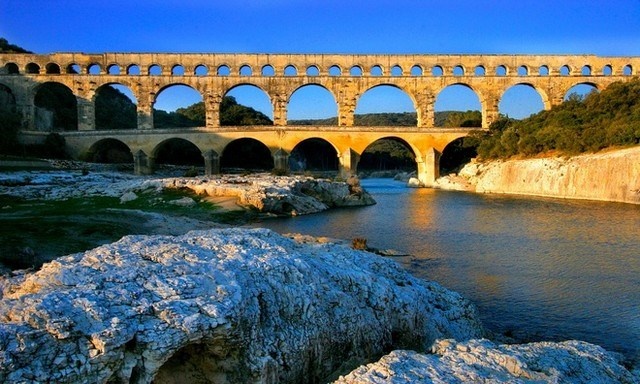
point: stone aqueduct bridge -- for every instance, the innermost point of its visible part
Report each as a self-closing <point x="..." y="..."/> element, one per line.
<point x="346" y="77"/>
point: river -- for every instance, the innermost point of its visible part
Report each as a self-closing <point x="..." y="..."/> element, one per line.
<point x="536" y="268"/>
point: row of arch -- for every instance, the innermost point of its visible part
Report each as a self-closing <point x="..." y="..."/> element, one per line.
<point x="314" y="70"/>
<point x="321" y="98"/>
<point x="311" y="154"/>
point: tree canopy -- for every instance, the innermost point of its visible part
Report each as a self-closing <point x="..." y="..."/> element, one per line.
<point x="580" y="124"/>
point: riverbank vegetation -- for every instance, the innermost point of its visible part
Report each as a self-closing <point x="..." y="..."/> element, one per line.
<point x="580" y="124"/>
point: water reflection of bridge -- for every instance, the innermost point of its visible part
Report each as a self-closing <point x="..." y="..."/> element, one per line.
<point x="345" y="77"/>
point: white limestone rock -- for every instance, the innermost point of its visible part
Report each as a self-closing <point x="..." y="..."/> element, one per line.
<point x="482" y="361"/>
<point x="612" y="175"/>
<point x="285" y="195"/>
<point x="229" y="305"/>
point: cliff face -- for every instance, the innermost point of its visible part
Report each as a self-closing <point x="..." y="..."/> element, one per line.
<point x="608" y="176"/>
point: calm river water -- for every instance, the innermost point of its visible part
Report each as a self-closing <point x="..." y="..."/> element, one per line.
<point x="537" y="269"/>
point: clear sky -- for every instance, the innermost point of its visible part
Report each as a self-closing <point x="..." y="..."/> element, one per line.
<point x="601" y="27"/>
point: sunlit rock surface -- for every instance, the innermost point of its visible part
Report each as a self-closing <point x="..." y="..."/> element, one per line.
<point x="288" y="195"/>
<point x="481" y="361"/>
<point x="610" y="176"/>
<point x="227" y="305"/>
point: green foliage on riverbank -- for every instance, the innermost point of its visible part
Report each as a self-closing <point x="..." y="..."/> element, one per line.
<point x="580" y="124"/>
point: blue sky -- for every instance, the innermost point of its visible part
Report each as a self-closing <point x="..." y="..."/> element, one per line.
<point x="600" y="27"/>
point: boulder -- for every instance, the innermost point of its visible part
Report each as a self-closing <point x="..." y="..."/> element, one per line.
<point x="482" y="361"/>
<point x="228" y="305"/>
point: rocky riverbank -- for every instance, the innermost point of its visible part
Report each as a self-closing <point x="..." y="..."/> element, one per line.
<point x="612" y="175"/>
<point x="279" y="195"/>
<point x="229" y="305"/>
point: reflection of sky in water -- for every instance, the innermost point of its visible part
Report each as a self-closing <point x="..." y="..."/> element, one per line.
<point x="540" y="268"/>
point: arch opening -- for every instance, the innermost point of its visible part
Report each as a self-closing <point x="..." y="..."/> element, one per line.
<point x="52" y="69"/>
<point x="627" y="70"/>
<point x="246" y="105"/>
<point x="74" y="69"/>
<point x="355" y="71"/>
<point x="178" y="106"/>
<point x="245" y="70"/>
<point x="458" y="70"/>
<point x="479" y="71"/>
<point x="201" y="70"/>
<point x="501" y="70"/>
<point x="456" y="154"/>
<point x="580" y="91"/>
<point x="437" y="71"/>
<point x="177" y="70"/>
<point x="268" y="70"/>
<point x="94" y="69"/>
<point x="312" y="104"/>
<point x="376" y="70"/>
<point x="155" y="70"/>
<point x="396" y="70"/>
<point x="11" y="68"/>
<point x="335" y="70"/>
<point x="385" y="105"/>
<point x="113" y="69"/>
<point x="115" y="108"/>
<point x="223" y="70"/>
<point x="565" y="70"/>
<point x="109" y="151"/>
<point x="520" y="101"/>
<point x="290" y="70"/>
<point x="543" y="70"/>
<point x="32" y="68"/>
<point x="416" y="70"/>
<point x="523" y="70"/>
<point x="315" y="155"/>
<point x="313" y="70"/>
<point x="133" y="69"/>
<point x="246" y="154"/>
<point x="386" y="157"/>
<point x="607" y="70"/>
<point x="178" y="152"/>
<point x="56" y="108"/>
<point x="458" y="106"/>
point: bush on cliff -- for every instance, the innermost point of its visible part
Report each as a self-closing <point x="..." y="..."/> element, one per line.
<point x="580" y="124"/>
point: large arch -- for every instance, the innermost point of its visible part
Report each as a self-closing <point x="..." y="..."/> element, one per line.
<point x="246" y="104"/>
<point x="581" y="90"/>
<point x="398" y="105"/>
<point x="246" y="154"/>
<point x="56" y="107"/>
<point x="110" y="151"/>
<point x="115" y="107"/>
<point x="178" y="151"/>
<point x="389" y="153"/>
<point x="178" y="105"/>
<point x="458" y="105"/>
<point x="314" y="154"/>
<point x="523" y="100"/>
<point x="312" y="104"/>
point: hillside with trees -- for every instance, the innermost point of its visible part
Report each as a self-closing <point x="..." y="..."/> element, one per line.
<point x="580" y="124"/>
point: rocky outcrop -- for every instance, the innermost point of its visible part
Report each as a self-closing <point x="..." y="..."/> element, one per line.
<point x="481" y="361"/>
<point x="608" y="176"/>
<point x="227" y="305"/>
<point x="291" y="195"/>
<point x="282" y="195"/>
